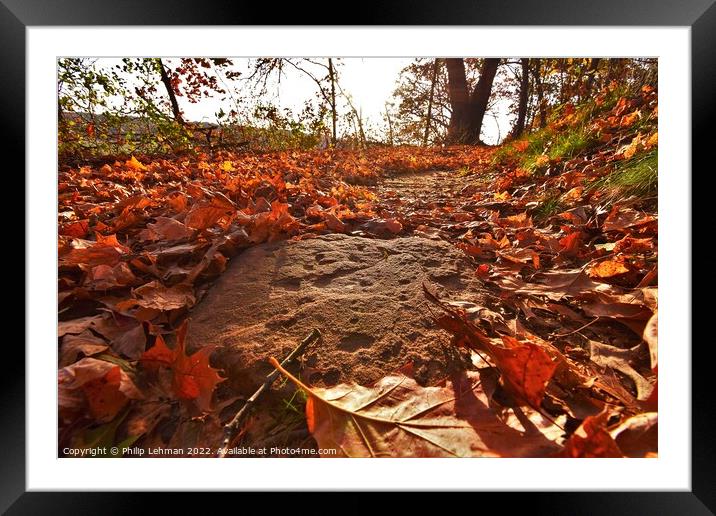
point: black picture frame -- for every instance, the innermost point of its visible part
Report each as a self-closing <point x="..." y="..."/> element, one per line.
<point x="699" y="15"/>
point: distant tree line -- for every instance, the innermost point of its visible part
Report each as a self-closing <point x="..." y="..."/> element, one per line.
<point x="136" y="103"/>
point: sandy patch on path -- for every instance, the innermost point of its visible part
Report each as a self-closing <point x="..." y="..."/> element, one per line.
<point x="364" y="295"/>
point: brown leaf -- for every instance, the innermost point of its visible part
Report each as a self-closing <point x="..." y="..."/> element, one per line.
<point x="85" y="343"/>
<point x="333" y="223"/>
<point x="651" y="337"/>
<point x="104" y="277"/>
<point x="156" y="296"/>
<point x="607" y="269"/>
<point x="618" y="359"/>
<point x="383" y="226"/>
<point x="134" y="164"/>
<point x="638" y="435"/>
<point x="105" y="386"/>
<point x="165" y="229"/>
<point x="76" y="326"/>
<point x="105" y="251"/>
<point x="621" y="218"/>
<point x="269" y="225"/>
<point x="208" y="211"/>
<point x="562" y="283"/>
<point x="571" y="244"/>
<point x="131" y="343"/>
<point x="480" y="316"/>
<point x="633" y="316"/>
<point x="78" y="229"/>
<point x="397" y="418"/>
<point x="521" y="220"/>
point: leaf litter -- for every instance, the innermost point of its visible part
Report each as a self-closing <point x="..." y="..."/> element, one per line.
<point x="565" y="350"/>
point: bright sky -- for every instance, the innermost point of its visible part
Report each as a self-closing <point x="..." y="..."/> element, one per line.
<point x="369" y="81"/>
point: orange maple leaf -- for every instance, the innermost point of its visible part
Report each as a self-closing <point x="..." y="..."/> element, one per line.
<point x="193" y="377"/>
<point x="526" y="368"/>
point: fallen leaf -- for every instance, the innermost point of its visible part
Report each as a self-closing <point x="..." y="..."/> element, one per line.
<point x="105" y="386"/>
<point x="651" y="334"/>
<point x="193" y="377"/>
<point x="638" y="435"/>
<point x="131" y="343"/>
<point x="165" y="229"/>
<point x="592" y="439"/>
<point x="521" y="220"/>
<point x="86" y="343"/>
<point x="79" y="229"/>
<point x="618" y="359"/>
<point x="76" y="326"/>
<point x="607" y="269"/>
<point x="620" y="219"/>
<point x="398" y="418"/>
<point x="570" y="244"/>
<point x="333" y="223"/>
<point x="105" y="277"/>
<point x="209" y="211"/>
<point x="384" y="226"/>
<point x="134" y="164"/>
<point x="156" y="296"/>
<point x="526" y="369"/>
<point x="105" y="251"/>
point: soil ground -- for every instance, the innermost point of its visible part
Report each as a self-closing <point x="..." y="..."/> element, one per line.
<point x="364" y="295"/>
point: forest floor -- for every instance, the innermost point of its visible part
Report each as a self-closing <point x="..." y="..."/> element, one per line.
<point x="472" y="301"/>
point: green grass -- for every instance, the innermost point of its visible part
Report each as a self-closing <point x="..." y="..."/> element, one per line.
<point x="296" y="403"/>
<point x="555" y="145"/>
<point x="567" y="142"/>
<point x="550" y="205"/>
<point x="570" y="143"/>
<point x="636" y="177"/>
<point x="508" y="155"/>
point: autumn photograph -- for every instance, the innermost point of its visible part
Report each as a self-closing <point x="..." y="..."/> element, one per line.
<point x="317" y="257"/>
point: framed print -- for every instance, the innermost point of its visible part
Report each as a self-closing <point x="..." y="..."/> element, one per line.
<point x="425" y="245"/>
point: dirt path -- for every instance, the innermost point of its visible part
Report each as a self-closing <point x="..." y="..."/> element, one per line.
<point x="365" y="295"/>
<point x="426" y="199"/>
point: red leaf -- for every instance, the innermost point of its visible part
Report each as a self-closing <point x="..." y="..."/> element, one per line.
<point x="570" y="244"/>
<point x="592" y="439"/>
<point x="526" y="369"/>
<point x="78" y="229"/>
<point x="105" y="387"/>
<point x="483" y="270"/>
<point x="193" y="377"/>
<point x="158" y="355"/>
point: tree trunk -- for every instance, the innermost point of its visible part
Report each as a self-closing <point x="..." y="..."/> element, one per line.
<point x="60" y="115"/>
<point x="459" y="100"/>
<point x="479" y="99"/>
<point x="170" y="91"/>
<point x="591" y="73"/>
<point x="524" y="96"/>
<point x="429" y="117"/>
<point x="360" y="127"/>
<point x="541" y="102"/>
<point x="468" y="111"/>
<point x="390" y="125"/>
<point x="334" y="115"/>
